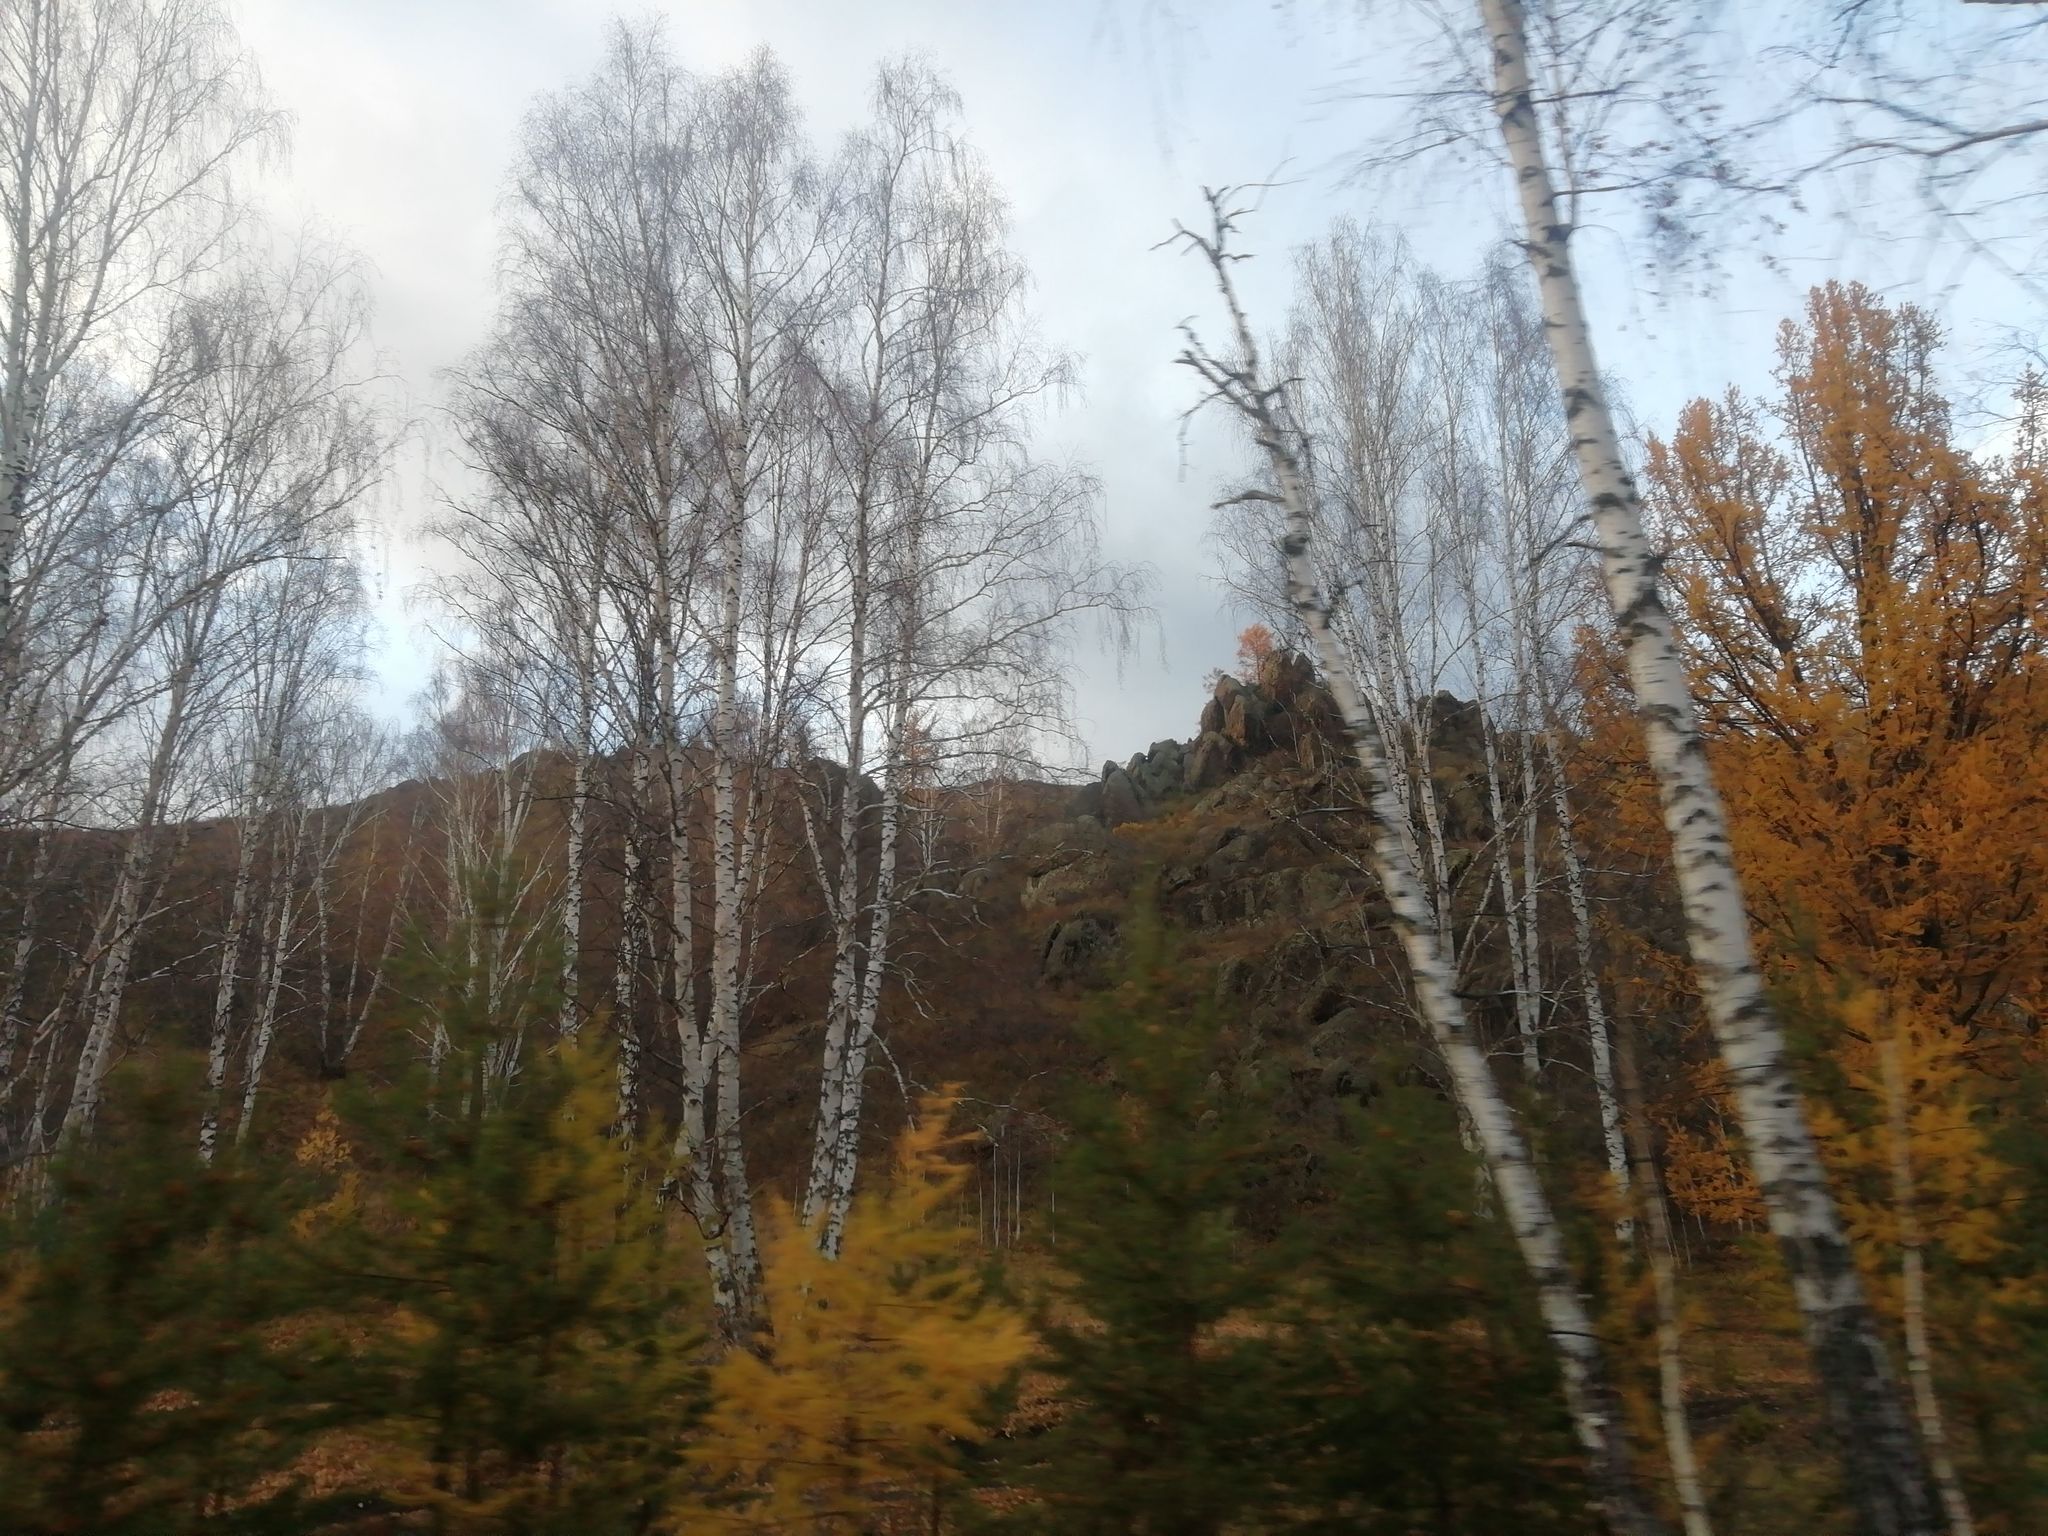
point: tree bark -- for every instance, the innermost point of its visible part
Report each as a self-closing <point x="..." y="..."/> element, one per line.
<point x="220" y="1037"/>
<point x="1913" y="1297"/>
<point x="1649" y="1190"/>
<point x="1885" y="1466"/>
<point x="265" y="1031"/>
<point x="1589" y="1393"/>
<point x="1599" y="1038"/>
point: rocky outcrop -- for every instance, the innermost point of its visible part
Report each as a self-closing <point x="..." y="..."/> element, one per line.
<point x="1157" y="772"/>
<point x="1088" y="875"/>
<point x="1076" y="950"/>
<point x="1284" y="709"/>
<point x="1211" y="760"/>
<point x="1120" y="799"/>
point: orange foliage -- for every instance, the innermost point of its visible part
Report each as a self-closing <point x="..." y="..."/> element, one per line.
<point x="1254" y="644"/>
<point x="1861" y="603"/>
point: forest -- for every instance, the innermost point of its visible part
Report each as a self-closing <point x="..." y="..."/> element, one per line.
<point x="1556" y="1048"/>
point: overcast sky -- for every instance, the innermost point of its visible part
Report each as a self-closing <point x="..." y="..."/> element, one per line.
<point x="1100" y="128"/>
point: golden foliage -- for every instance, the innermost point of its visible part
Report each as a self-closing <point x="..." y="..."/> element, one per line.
<point x="1862" y="610"/>
<point x="876" y="1363"/>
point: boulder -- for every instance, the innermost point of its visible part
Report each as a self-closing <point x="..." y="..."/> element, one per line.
<point x="1085" y="876"/>
<point x="1075" y="949"/>
<point x="1213" y="760"/>
<point x="1120" y="801"/>
<point x="1236" y="850"/>
<point x="1345" y="1034"/>
<point x="1455" y="726"/>
<point x="1158" y="772"/>
<point x="1244" y="719"/>
<point x="1087" y="802"/>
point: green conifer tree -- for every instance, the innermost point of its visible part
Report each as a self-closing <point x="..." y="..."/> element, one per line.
<point x="153" y="1379"/>
<point x="526" y="1361"/>
<point x="1375" y="1366"/>
<point x="1151" y="1328"/>
<point x="1420" y="1393"/>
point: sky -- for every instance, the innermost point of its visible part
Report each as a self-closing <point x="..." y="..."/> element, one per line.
<point x="1101" y="120"/>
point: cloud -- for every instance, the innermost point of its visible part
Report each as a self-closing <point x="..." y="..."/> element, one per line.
<point x="1100" y="121"/>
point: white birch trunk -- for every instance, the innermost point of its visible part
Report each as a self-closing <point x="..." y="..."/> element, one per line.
<point x="221" y="1035"/>
<point x="359" y="1005"/>
<point x="96" y="1056"/>
<point x="1671" y="1410"/>
<point x="1599" y="1038"/>
<point x="1913" y="1298"/>
<point x="842" y="895"/>
<point x="692" y="1152"/>
<point x="1594" y="1406"/>
<point x="846" y="1156"/>
<point x="632" y="929"/>
<point x="1531" y="985"/>
<point x="12" y="1019"/>
<point x="736" y="1196"/>
<point x="1885" y="1467"/>
<point x="265" y="1028"/>
<point x="1433" y="829"/>
<point x="1510" y="908"/>
<point x="89" y="1079"/>
<point x="571" y="1019"/>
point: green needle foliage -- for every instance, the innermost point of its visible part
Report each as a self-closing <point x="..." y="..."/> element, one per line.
<point x="526" y="1360"/>
<point x="1374" y="1368"/>
<point x="1153" y="1324"/>
<point x="153" y="1376"/>
<point x="1420" y="1386"/>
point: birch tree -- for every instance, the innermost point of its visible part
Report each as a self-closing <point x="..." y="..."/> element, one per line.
<point x="1237" y="381"/>
<point x="260" y="473"/>
<point x="120" y="121"/>
<point x="302" y="643"/>
<point x="1623" y="102"/>
<point x="965" y="561"/>
<point x="1886" y="1467"/>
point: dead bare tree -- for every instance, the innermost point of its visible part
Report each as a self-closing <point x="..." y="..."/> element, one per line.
<point x="1237" y="381"/>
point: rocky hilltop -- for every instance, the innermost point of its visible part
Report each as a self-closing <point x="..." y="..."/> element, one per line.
<point x="1248" y="841"/>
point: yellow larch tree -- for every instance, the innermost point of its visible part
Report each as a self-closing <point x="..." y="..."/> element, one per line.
<point x="875" y="1365"/>
<point x="1862" y="608"/>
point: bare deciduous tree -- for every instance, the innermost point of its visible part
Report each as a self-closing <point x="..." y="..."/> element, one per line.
<point x="1238" y="382"/>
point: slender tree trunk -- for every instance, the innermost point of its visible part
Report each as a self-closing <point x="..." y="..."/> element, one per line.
<point x="1510" y="907"/>
<point x="842" y="894"/>
<point x="1530" y="987"/>
<point x="1885" y="1466"/>
<point x="632" y="929"/>
<point x="359" y="1006"/>
<point x="1598" y="1036"/>
<point x="846" y="1158"/>
<point x="96" y="1056"/>
<point x="134" y="891"/>
<point x="11" y="1016"/>
<point x="1913" y="1297"/>
<point x="693" y="1153"/>
<point x="221" y="1035"/>
<point x="728" y="877"/>
<point x="1589" y="1393"/>
<point x="1433" y="829"/>
<point x="265" y="1030"/>
<point x="1649" y="1189"/>
<point x="571" y="1019"/>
